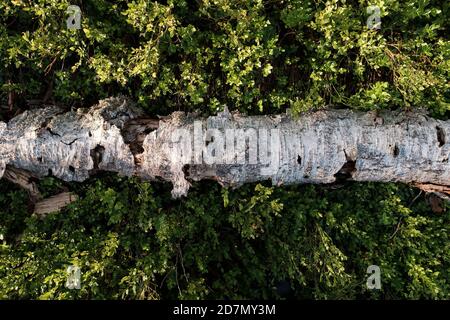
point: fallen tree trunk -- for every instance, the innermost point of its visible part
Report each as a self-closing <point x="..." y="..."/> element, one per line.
<point x="317" y="147"/>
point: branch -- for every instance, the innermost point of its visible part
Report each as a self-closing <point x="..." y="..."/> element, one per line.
<point x="318" y="147"/>
<point x="54" y="203"/>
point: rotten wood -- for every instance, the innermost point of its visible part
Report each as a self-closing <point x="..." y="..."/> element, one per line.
<point x="54" y="203"/>
<point x="24" y="179"/>
<point x="324" y="146"/>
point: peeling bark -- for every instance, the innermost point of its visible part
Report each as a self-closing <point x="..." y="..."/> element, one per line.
<point x="25" y="180"/>
<point x="318" y="147"/>
<point x="54" y="203"/>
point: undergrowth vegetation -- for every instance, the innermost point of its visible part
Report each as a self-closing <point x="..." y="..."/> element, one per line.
<point x="131" y="240"/>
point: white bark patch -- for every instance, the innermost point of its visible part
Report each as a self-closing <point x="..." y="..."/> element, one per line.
<point x="5" y="150"/>
<point x="319" y="147"/>
<point x="51" y="141"/>
<point x="159" y="157"/>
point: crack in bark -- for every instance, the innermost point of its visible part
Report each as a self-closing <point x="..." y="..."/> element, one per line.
<point x="347" y="170"/>
<point x="440" y="136"/>
<point x="53" y="133"/>
<point x="396" y="151"/>
<point x="69" y="143"/>
<point x="97" y="155"/>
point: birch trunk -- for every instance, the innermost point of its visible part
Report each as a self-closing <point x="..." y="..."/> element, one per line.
<point x="317" y="147"/>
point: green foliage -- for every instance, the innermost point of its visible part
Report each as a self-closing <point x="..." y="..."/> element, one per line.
<point x="253" y="55"/>
<point x="132" y="241"/>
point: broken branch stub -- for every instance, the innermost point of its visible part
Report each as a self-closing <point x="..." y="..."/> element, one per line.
<point x="318" y="147"/>
<point x="54" y="203"/>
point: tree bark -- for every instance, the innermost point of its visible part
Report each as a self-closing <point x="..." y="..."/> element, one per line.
<point x="323" y="146"/>
<point x="54" y="203"/>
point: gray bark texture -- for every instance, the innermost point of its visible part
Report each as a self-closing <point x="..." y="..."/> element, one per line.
<point x="323" y="146"/>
